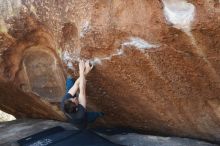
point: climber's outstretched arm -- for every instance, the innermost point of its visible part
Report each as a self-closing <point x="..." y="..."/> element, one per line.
<point x="75" y="87"/>
<point x="82" y="84"/>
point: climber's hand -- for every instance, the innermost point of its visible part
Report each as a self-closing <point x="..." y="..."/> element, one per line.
<point x="81" y="67"/>
<point x="88" y="67"/>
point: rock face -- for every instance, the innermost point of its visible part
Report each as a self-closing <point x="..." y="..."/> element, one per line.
<point x="156" y="63"/>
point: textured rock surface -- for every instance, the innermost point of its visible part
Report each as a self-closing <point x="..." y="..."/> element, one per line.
<point x="23" y="105"/>
<point x="156" y="69"/>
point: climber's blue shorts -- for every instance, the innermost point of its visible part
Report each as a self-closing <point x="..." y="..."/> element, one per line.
<point x="69" y="83"/>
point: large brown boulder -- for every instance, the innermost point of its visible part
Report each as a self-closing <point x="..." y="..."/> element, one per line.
<point x="156" y="63"/>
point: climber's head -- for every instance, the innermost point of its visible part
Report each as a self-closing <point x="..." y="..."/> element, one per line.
<point x="71" y="105"/>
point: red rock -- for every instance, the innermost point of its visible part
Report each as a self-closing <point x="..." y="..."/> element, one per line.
<point x="170" y="88"/>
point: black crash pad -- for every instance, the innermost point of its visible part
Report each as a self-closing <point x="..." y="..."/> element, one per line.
<point x="58" y="136"/>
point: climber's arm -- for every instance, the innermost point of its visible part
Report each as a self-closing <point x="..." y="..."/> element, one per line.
<point x="82" y="85"/>
<point x="82" y="91"/>
<point x="86" y="70"/>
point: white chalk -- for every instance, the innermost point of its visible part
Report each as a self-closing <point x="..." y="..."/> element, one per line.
<point x="70" y="65"/>
<point x="139" y="44"/>
<point x="179" y="13"/>
<point x="95" y="61"/>
<point x="119" y="52"/>
<point x="85" y="28"/>
<point x="98" y="60"/>
<point x="66" y="56"/>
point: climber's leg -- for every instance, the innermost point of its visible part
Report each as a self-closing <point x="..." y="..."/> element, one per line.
<point x="69" y="83"/>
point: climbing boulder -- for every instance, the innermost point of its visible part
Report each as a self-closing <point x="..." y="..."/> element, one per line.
<point x="156" y="63"/>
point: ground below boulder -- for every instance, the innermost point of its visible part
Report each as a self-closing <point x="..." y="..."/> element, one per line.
<point x="13" y="131"/>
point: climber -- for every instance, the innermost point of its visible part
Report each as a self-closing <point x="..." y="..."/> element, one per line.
<point x="75" y="107"/>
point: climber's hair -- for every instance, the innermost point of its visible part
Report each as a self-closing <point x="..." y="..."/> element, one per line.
<point x="69" y="106"/>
